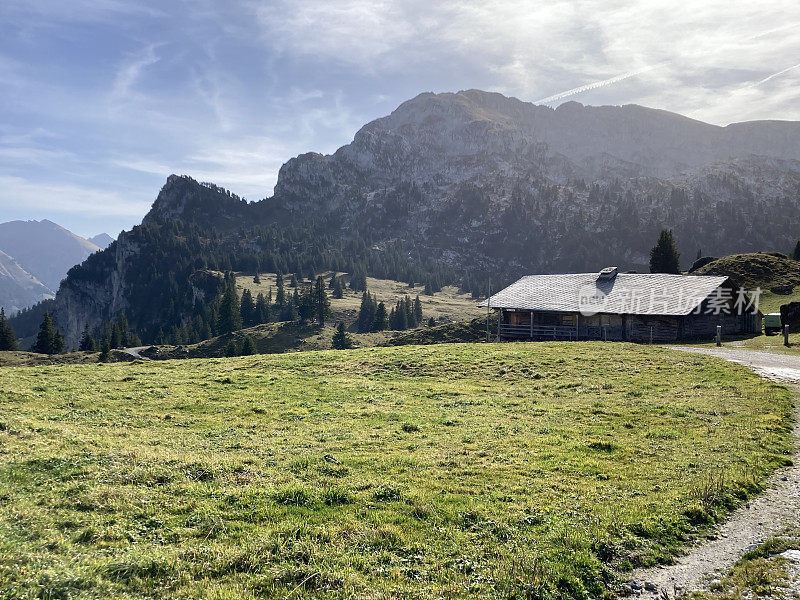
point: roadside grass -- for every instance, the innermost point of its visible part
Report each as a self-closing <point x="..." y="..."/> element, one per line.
<point x="767" y="343"/>
<point x="760" y="573"/>
<point x="490" y="470"/>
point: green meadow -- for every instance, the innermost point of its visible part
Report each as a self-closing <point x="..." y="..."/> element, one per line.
<point x="451" y="471"/>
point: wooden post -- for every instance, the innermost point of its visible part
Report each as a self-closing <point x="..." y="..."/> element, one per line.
<point x="719" y="335"/>
<point x="488" y="310"/>
<point x="499" y="320"/>
<point x="786" y="335"/>
<point x="651" y="335"/>
<point x="531" y="324"/>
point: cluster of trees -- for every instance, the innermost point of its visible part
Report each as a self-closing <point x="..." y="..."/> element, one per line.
<point x="8" y="340"/>
<point x="49" y="340"/>
<point x="373" y="316"/>
<point x="111" y="335"/>
<point x="406" y="314"/>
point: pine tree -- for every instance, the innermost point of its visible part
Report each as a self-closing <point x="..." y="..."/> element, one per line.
<point x="341" y="339"/>
<point x="124" y="330"/>
<point x="358" y="280"/>
<point x="247" y="308"/>
<point x="417" y="310"/>
<point x="381" y="318"/>
<point x="87" y="343"/>
<point x="262" y="310"/>
<point x="280" y="294"/>
<point x="230" y="317"/>
<point x="8" y="340"/>
<point x="116" y="336"/>
<point x="49" y="340"/>
<point x="338" y="291"/>
<point x="231" y="349"/>
<point x="796" y="253"/>
<point x="305" y="304"/>
<point x="105" y="349"/>
<point x="431" y="322"/>
<point x="248" y="347"/>
<point x="366" y="313"/>
<point x="322" y="306"/>
<point x="664" y="257"/>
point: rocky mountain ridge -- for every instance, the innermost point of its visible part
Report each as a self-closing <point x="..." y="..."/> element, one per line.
<point x="482" y="186"/>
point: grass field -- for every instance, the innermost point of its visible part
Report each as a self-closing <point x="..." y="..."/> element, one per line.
<point x="502" y="470"/>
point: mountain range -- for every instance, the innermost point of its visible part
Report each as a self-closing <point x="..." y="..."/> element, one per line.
<point x="34" y="257"/>
<point x="460" y="188"/>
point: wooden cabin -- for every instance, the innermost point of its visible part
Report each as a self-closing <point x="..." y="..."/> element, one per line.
<point x="639" y="307"/>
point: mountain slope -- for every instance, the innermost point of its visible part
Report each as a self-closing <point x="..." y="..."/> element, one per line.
<point x="18" y="288"/>
<point x="44" y="249"/>
<point x="460" y="188"/>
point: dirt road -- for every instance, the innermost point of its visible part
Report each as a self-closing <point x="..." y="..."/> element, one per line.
<point x="767" y="515"/>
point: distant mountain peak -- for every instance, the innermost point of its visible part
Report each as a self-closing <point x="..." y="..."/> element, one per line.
<point x="101" y="240"/>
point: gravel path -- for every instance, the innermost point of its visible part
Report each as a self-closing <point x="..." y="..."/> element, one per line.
<point x="767" y="515"/>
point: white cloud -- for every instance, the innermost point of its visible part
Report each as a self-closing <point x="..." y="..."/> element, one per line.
<point x="538" y="50"/>
<point x="53" y="197"/>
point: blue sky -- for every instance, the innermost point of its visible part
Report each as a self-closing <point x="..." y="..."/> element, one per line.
<point x="100" y="100"/>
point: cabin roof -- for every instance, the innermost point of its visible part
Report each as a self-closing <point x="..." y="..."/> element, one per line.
<point x="626" y="293"/>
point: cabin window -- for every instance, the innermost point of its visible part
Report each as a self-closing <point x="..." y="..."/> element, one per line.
<point x="611" y="320"/>
<point x="568" y="320"/>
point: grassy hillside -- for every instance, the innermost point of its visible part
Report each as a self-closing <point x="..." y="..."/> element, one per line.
<point x="759" y="270"/>
<point x="505" y="470"/>
<point x="445" y="306"/>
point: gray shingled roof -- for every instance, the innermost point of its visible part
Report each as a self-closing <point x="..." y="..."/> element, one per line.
<point x="627" y="293"/>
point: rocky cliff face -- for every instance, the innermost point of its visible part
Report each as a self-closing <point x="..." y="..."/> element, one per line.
<point x="18" y="288"/>
<point x="487" y="181"/>
<point x="485" y="184"/>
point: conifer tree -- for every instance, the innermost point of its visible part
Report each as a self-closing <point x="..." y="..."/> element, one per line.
<point x="341" y="339"/>
<point x="247" y="308"/>
<point x="261" y="310"/>
<point x="358" y="280"/>
<point x="417" y="310"/>
<point x="431" y="322"/>
<point x="322" y="306"/>
<point x="366" y="313"/>
<point x="8" y="340"/>
<point x="230" y="317"/>
<point x="381" y="318"/>
<point x="124" y="330"/>
<point x="231" y="349"/>
<point x="105" y="349"/>
<point x="796" y="253"/>
<point x="338" y="291"/>
<point x="248" y="347"/>
<point x="116" y="336"/>
<point x="87" y="343"/>
<point x="664" y="257"/>
<point x="280" y="294"/>
<point x="49" y="340"/>
<point x="305" y="304"/>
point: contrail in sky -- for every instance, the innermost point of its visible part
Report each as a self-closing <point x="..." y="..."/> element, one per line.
<point x="773" y="76"/>
<point x="598" y="84"/>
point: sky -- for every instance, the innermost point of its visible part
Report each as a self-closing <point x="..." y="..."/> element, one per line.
<point x="100" y="100"/>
